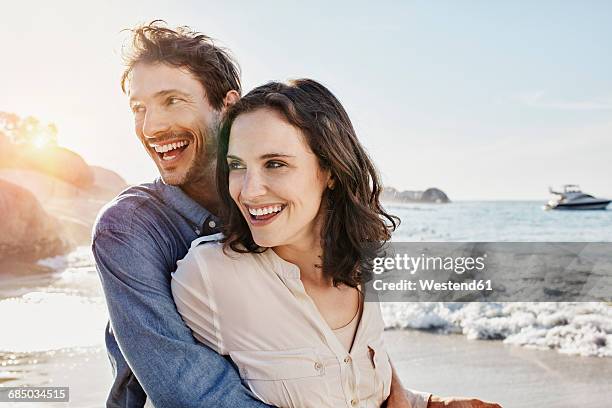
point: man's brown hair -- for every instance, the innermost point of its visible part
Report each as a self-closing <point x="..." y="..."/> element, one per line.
<point x="183" y="47"/>
<point x="355" y="225"/>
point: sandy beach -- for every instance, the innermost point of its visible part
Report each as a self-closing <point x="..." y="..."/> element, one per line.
<point x="446" y="365"/>
<point x="515" y="377"/>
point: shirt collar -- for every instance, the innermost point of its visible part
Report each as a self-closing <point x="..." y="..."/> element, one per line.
<point x="176" y="198"/>
<point x="285" y="269"/>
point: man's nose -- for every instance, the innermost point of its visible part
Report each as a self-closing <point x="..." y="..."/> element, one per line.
<point x="155" y="123"/>
<point x="253" y="185"/>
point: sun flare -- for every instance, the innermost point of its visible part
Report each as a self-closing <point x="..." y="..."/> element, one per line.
<point x="40" y="141"/>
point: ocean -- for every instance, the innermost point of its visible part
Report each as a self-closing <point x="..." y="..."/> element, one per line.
<point x="499" y="221"/>
<point x="57" y="321"/>
<point x="577" y="328"/>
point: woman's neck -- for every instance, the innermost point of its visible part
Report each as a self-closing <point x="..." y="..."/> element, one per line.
<point x="307" y="255"/>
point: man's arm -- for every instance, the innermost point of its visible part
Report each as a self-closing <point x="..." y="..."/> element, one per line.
<point x="173" y="369"/>
<point x="460" y="402"/>
<point x="402" y="398"/>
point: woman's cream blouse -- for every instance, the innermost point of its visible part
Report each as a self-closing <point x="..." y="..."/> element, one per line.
<point x="253" y="307"/>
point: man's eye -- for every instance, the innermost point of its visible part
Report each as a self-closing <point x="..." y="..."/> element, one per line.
<point x="137" y="108"/>
<point x="235" y="165"/>
<point x="173" y="101"/>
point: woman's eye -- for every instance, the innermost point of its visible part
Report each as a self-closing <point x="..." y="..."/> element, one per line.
<point x="234" y="165"/>
<point x="274" y="164"/>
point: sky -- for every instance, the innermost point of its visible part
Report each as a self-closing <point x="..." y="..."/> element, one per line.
<point x="485" y="100"/>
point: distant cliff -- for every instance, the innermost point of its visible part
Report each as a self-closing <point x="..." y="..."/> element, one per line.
<point x="431" y="195"/>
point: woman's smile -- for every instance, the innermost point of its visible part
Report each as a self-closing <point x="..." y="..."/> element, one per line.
<point x="261" y="215"/>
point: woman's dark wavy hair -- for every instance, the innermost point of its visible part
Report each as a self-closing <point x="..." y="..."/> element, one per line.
<point x="355" y="226"/>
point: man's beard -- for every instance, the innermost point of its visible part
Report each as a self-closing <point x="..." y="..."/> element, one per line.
<point x="202" y="169"/>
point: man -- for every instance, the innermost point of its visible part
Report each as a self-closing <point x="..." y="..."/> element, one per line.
<point x="178" y="83"/>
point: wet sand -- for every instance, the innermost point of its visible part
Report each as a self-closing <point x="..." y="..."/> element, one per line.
<point x="515" y="377"/>
<point x="445" y="365"/>
<point x="85" y="370"/>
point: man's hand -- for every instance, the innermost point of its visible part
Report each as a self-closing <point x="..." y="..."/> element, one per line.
<point x="454" y="402"/>
<point x="397" y="398"/>
<point x="402" y="398"/>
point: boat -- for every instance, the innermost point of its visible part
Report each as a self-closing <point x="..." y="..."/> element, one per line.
<point x="572" y="198"/>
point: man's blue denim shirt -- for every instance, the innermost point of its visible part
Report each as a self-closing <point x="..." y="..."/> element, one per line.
<point x="137" y="240"/>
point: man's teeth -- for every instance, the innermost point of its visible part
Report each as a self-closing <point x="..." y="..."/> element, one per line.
<point x="170" y="146"/>
<point x="265" y="210"/>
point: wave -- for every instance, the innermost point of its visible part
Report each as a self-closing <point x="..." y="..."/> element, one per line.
<point x="583" y="329"/>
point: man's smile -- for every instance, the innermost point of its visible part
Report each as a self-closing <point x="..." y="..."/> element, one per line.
<point x="169" y="151"/>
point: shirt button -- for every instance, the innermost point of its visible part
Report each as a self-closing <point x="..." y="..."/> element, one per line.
<point x="212" y="224"/>
<point x="354" y="402"/>
<point x="347" y="359"/>
<point x="318" y="366"/>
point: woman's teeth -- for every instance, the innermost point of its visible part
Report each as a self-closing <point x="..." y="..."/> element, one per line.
<point x="262" y="211"/>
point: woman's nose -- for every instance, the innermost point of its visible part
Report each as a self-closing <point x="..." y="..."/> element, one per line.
<point x="253" y="185"/>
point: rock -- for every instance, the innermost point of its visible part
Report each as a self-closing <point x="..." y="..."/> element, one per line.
<point x="75" y="208"/>
<point x="45" y="188"/>
<point x="4" y="143"/>
<point x="431" y="195"/>
<point x="12" y="268"/>
<point x="55" y="161"/>
<point x="49" y="199"/>
<point x="106" y="182"/>
<point x="434" y="195"/>
<point x="27" y="232"/>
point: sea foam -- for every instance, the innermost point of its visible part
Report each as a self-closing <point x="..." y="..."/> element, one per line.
<point x="573" y="328"/>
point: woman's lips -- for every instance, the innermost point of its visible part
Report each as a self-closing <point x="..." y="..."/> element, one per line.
<point x="264" y="219"/>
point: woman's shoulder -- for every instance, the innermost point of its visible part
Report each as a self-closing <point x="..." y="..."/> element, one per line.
<point x="204" y="269"/>
<point x="212" y="257"/>
<point x="204" y="253"/>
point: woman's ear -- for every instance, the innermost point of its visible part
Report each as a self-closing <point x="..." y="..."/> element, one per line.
<point x="331" y="183"/>
<point x="231" y="97"/>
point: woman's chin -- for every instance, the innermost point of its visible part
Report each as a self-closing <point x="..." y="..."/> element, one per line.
<point x="265" y="242"/>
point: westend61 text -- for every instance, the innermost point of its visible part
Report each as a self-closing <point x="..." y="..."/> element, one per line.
<point x="430" y="284"/>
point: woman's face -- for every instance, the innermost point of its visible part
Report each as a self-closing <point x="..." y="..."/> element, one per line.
<point x="275" y="179"/>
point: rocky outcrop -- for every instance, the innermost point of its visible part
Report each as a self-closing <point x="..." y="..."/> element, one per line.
<point x="45" y="188"/>
<point x="27" y="231"/>
<point x="55" y="161"/>
<point x="434" y="195"/>
<point x="431" y="195"/>
<point x="4" y="143"/>
<point x="74" y="208"/>
<point x="49" y="199"/>
<point x="107" y="183"/>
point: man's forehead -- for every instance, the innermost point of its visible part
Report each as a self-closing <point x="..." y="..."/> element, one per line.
<point x="149" y="80"/>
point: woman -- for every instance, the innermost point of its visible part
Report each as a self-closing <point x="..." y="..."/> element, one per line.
<point x="282" y="293"/>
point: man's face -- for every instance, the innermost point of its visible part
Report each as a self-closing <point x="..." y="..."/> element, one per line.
<point x="174" y="122"/>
